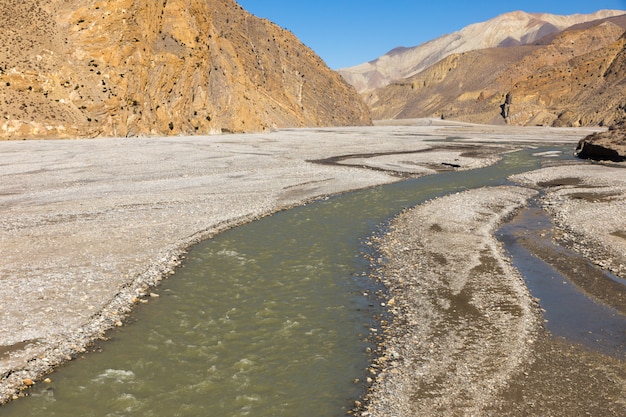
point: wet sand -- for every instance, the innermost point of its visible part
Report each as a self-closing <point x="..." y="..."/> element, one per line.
<point x="89" y="226"/>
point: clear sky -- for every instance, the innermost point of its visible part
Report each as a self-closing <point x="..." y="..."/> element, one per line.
<point x="349" y="32"/>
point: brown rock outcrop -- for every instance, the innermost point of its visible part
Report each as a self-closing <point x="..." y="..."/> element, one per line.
<point x="84" y="68"/>
<point x="604" y="146"/>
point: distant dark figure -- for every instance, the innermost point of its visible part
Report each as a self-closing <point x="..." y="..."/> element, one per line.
<point x="506" y="106"/>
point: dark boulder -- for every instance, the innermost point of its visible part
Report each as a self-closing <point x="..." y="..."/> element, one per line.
<point x="604" y="146"/>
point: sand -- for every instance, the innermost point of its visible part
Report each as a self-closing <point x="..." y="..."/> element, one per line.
<point x="89" y="226"/>
<point x="467" y="337"/>
<point x="465" y="322"/>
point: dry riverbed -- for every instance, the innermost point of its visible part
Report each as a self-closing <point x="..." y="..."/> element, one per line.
<point x="89" y="226"/>
<point x="467" y="338"/>
<point x="464" y="321"/>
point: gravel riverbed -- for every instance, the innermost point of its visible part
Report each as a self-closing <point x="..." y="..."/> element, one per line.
<point x="88" y="227"/>
<point x="465" y="323"/>
<point x="468" y="338"/>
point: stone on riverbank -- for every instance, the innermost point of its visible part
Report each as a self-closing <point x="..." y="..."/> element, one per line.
<point x="604" y="146"/>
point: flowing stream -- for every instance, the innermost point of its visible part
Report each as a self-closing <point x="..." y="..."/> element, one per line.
<point x="570" y="313"/>
<point x="268" y="319"/>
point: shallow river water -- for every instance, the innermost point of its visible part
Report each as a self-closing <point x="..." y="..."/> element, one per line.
<point x="268" y="319"/>
<point x="569" y="312"/>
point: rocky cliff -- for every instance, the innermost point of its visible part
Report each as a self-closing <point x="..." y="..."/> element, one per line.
<point x="509" y="29"/>
<point x="576" y="77"/>
<point x="84" y="68"/>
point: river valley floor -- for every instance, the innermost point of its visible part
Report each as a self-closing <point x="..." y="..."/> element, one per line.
<point x="90" y="226"/>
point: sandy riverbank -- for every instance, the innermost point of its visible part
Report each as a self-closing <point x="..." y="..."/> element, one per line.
<point x="464" y="322"/>
<point x="89" y="226"/>
<point x="468" y="339"/>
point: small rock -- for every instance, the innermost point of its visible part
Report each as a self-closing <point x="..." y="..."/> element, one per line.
<point x="28" y="382"/>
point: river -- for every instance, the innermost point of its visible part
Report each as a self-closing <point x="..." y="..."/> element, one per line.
<point x="273" y="318"/>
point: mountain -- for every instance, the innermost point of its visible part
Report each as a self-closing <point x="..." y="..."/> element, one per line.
<point x="85" y="68"/>
<point x="575" y="77"/>
<point x="510" y="29"/>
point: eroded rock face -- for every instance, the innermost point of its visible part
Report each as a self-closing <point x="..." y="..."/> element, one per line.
<point x="604" y="146"/>
<point x="506" y="30"/>
<point x="574" y="78"/>
<point x="84" y="68"/>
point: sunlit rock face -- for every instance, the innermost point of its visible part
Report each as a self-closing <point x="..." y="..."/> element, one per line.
<point x="575" y="77"/>
<point x="85" y="68"/>
<point x="509" y="29"/>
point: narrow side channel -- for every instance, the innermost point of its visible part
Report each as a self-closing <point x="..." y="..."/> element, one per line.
<point x="550" y="271"/>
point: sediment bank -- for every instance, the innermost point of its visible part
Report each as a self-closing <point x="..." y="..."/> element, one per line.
<point x="465" y="324"/>
<point x="89" y="226"/>
<point x="468" y="338"/>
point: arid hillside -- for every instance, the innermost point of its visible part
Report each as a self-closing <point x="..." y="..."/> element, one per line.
<point x="509" y="29"/>
<point x="85" y="68"/>
<point x="576" y="77"/>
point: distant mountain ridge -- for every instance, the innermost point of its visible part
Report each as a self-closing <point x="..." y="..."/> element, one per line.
<point x="509" y="29"/>
<point x="576" y="77"/>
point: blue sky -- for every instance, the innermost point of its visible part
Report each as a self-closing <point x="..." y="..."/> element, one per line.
<point x="349" y="32"/>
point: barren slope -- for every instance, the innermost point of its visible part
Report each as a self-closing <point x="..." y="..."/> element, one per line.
<point x="136" y="67"/>
<point x="509" y="29"/>
<point x="575" y="79"/>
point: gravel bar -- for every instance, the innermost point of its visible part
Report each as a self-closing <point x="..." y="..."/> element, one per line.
<point x="87" y="227"/>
